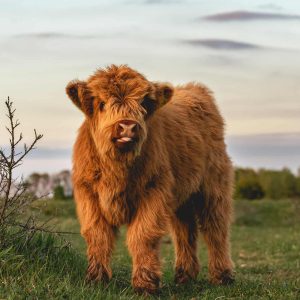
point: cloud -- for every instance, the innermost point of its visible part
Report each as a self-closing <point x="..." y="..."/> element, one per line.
<point x="160" y="1"/>
<point x="276" y="150"/>
<point x="270" y="6"/>
<point x="243" y="15"/>
<point x="53" y="35"/>
<point x="222" y="44"/>
<point x="47" y="153"/>
<point x="275" y="144"/>
<point x="153" y="1"/>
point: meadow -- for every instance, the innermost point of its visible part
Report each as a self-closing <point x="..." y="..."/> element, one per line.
<point x="265" y="247"/>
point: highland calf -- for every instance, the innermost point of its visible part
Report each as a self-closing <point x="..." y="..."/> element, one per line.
<point x="151" y="157"/>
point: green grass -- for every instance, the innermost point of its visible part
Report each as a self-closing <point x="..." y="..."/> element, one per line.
<point x="265" y="249"/>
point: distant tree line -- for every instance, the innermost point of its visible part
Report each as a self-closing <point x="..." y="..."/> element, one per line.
<point x="57" y="186"/>
<point x="249" y="184"/>
<point x="273" y="184"/>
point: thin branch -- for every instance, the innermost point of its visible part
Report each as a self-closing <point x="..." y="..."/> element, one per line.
<point x="42" y="229"/>
<point x="4" y="157"/>
<point x="12" y="151"/>
<point x="31" y="147"/>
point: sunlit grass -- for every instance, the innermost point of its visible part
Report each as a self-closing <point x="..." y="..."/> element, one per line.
<point x="265" y="248"/>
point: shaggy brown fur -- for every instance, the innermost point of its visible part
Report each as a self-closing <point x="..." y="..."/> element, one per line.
<point x="174" y="176"/>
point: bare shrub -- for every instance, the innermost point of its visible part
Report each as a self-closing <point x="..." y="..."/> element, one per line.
<point x="16" y="218"/>
<point x="14" y="198"/>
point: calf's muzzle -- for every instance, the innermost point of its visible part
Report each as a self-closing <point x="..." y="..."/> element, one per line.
<point x="126" y="133"/>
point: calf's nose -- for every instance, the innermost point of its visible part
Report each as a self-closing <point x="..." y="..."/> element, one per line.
<point x="127" y="128"/>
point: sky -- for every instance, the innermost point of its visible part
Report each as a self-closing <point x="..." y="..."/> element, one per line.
<point x="247" y="52"/>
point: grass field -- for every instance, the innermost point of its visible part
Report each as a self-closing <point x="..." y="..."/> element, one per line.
<point x="265" y="248"/>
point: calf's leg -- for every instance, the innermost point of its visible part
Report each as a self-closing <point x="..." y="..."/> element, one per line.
<point x="143" y="239"/>
<point x="184" y="232"/>
<point x="98" y="234"/>
<point x="215" y="219"/>
<point x="99" y="239"/>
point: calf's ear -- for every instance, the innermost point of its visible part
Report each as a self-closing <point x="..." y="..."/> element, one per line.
<point x="163" y="92"/>
<point x="81" y="96"/>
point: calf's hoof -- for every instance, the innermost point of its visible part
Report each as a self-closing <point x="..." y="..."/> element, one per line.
<point x="183" y="276"/>
<point x="225" y="278"/>
<point x="96" y="273"/>
<point x="145" y="282"/>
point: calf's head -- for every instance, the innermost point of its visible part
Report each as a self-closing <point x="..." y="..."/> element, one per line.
<point x="118" y="102"/>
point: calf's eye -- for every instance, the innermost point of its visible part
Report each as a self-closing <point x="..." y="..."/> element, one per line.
<point x="101" y="105"/>
<point x="148" y="104"/>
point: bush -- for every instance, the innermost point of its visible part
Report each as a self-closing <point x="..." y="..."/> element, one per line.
<point x="298" y="186"/>
<point x="59" y="193"/>
<point x="15" y="199"/>
<point x="247" y="184"/>
<point x="249" y="188"/>
<point x="278" y="184"/>
<point x="272" y="184"/>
